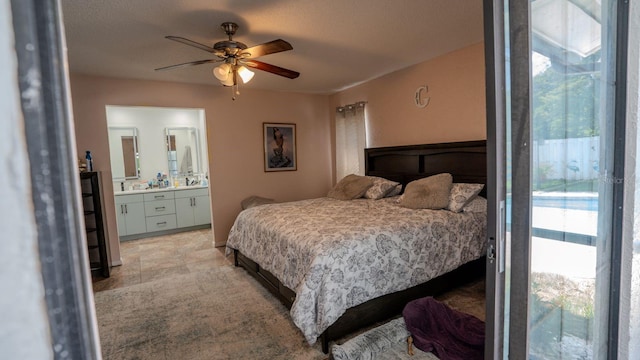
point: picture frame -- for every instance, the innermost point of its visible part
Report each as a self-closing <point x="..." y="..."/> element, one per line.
<point x="279" y="147"/>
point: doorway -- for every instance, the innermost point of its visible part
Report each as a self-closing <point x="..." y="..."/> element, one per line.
<point x="167" y="148"/>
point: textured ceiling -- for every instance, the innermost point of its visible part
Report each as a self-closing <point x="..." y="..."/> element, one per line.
<point x="336" y="43"/>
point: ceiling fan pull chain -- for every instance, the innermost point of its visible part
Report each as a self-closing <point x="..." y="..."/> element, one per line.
<point x="234" y="88"/>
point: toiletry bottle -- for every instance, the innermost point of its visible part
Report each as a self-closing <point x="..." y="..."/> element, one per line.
<point x="89" y="161"/>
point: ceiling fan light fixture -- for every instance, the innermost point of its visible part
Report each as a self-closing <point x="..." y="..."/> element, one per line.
<point x="228" y="81"/>
<point x="245" y="74"/>
<point x="233" y="55"/>
<point x="223" y="73"/>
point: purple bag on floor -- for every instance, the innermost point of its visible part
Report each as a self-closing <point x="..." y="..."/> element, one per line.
<point x="447" y="333"/>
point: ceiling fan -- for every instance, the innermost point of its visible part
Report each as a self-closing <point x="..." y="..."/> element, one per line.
<point x="236" y="57"/>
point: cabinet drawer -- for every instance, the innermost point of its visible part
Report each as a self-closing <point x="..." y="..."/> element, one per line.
<point x="203" y="191"/>
<point x="159" y="207"/>
<point x="162" y="222"/>
<point x="160" y="195"/>
<point x="124" y="199"/>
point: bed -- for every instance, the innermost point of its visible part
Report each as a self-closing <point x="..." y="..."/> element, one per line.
<point x="350" y="271"/>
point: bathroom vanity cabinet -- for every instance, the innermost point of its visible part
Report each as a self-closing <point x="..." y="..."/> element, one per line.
<point x="162" y="211"/>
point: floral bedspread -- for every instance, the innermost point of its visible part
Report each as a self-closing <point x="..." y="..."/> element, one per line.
<point x="338" y="254"/>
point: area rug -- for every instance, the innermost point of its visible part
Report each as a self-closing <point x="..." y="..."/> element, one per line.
<point x="219" y="313"/>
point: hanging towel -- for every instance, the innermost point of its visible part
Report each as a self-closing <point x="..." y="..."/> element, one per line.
<point x="448" y="333"/>
<point x="186" y="167"/>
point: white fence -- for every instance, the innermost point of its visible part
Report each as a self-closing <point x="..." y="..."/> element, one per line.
<point x="571" y="159"/>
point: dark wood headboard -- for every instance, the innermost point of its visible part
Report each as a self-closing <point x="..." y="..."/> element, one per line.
<point x="466" y="161"/>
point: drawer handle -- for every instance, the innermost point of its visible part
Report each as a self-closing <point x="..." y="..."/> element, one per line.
<point x="161" y="223"/>
<point x="160" y="208"/>
<point x="158" y="197"/>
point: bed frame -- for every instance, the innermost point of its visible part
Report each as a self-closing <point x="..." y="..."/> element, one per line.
<point x="466" y="162"/>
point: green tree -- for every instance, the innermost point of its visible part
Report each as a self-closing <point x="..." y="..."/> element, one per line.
<point x="565" y="104"/>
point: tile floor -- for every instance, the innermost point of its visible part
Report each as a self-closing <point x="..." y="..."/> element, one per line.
<point x="154" y="258"/>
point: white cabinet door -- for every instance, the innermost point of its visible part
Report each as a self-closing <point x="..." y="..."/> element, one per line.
<point x="130" y="211"/>
<point x="184" y="211"/>
<point x="202" y="210"/>
<point x="135" y="219"/>
<point x="192" y="207"/>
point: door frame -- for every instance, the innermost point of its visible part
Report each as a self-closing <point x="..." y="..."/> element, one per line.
<point x="493" y="11"/>
<point x="55" y="183"/>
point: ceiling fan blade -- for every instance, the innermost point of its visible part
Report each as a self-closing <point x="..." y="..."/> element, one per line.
<point x="272" y="69"/>
<point x="271" y="47"/>
<point x="191" y="63"/>
<point x="195" y="44"/>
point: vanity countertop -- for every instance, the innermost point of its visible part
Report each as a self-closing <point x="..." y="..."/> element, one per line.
<point x="130" y="192"/>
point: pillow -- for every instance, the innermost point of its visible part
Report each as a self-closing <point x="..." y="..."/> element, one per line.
<point x="252" y="201"/>
<point x="428" y="193"/>
<point x="380" y="188"/>
<point x="462" y="194"/>
<point x="479" y="204"/>
<point x="350" y="187"/>
<point x="395" y="191"/>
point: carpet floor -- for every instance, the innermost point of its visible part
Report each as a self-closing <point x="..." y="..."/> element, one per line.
<point x="178" y="297"/>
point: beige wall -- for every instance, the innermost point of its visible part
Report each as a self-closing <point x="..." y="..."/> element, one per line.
<point x="234" y="135"/>
<point x="456" y="111"/>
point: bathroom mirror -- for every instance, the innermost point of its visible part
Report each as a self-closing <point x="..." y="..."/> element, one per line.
<point x="183" y="151"/>
<point x="123" y="152"/>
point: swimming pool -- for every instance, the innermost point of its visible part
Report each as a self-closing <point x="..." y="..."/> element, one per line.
<point x="589" y="203"/>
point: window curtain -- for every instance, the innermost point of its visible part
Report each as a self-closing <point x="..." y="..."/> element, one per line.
<point x="350" y="139"/>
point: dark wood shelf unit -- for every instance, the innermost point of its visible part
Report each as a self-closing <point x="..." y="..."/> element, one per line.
<point x="94" y="224"/>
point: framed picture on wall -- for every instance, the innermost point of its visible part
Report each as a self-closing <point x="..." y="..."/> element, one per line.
<point x="279" y="147"/>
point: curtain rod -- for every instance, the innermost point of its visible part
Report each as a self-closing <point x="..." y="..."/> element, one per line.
<point x="350" y="106"/>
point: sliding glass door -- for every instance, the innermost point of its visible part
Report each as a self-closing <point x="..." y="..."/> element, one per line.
<point x="572" y="159"/>
<point x="558" y="148"/>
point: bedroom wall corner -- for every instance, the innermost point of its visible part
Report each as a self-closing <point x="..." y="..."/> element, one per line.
<point x="456" y="109"/>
